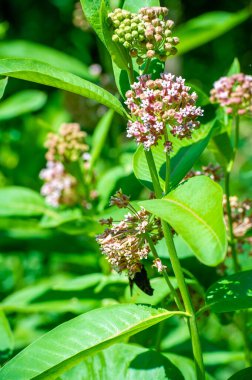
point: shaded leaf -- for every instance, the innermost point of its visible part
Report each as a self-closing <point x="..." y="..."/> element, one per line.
<point x="32" y="50"/>
<point x="66" y="345"/>
<point x="194" y="210"/>
<point x="20" y="201"/>
<point x="96" y="13"/>
<point x="244" y="374"/>
<point x="3" y="84"/>
<point x="100" y="135"/>
<point x="125" y="361"/>
<point x="7" y="340"/>
<point x="184" y="154"/>
<point x="22" y="102"/>
<point x="231" y="293"/>
<point x="234" y="68"/>
<point x="43" y="73"/>
<point x="206" y="27"/>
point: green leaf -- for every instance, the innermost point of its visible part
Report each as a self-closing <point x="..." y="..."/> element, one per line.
<point x="125" y="361"/>
<point x="206" y="27"/>
<point x="194" y="210"/>
<point x="100" y="135"/>
<point x="43" y="73"/>
<point x="134" y="6"/>
<point x="244" y="374"/>
<point x="222" y="148"/>
<point x="66" y="345"/>
<point x="182" y="159"/>
<point x="22" y="102"/>
<point x="3" y="84"/>
<point x="234" y="68"/>
<point x="96" y="13"/>
<point x="7" y="340"/>
<point x="19" y="201"/>
<point x="42" y="53"/>
<point x="231" y="293"/>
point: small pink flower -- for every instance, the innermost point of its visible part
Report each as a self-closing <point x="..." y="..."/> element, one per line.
<point x="234" y="93"/>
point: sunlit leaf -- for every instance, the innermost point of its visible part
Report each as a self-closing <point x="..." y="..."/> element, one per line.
<point x="43" y="73"/>
<point x="133" y="6"/>
<point x="66" y="345"/>
<point x="194" y="210"/>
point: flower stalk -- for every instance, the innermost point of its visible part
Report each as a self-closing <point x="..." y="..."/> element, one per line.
<point x="192" y="323"/>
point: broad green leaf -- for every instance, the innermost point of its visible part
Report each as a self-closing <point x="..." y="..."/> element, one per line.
<point x="222" y="148"/>
<point x="231" y="293"/>
<point x="222" y="357"/>
<point x="127" y="362"/>
<point x="43" y="73"/>
<point x="73" y="305"/>
<point x="194" y="210"/>
<point x="244" y="374"/>
<point x="134" y="6"/>
<point x="80" y="283"/>
<point x="184" y="154"/>
<point x="20" y="201"/>
<point x="234" y="68"/>
<point x="3" y="84"/>
<point x="66" y="345"/>
<point x="100" y="135"/>
<point x="7" y="340"/>
<point x="22" y="102"/>
<point x="31" y="50"/>
<point x="206" y="27"/>
<point x="96" y="13"/>
<point x="70" y="221"/>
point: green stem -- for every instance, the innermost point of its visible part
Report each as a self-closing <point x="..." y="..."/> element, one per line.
<point x="227" y="193"/>
<point x="131" y="72"/>
<point x="197" y="353"/>
<point x="147" y="66"/>
<point x="232" y="241"/>
<point x="167" y="167"/>
<point x="164" y="273"/>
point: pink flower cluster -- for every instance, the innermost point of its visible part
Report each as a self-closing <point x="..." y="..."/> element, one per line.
<point x="234" y="93"/>
<point x="156" y="104"/>
<point x="59" y="187"/>
<point x="124" y="244"/>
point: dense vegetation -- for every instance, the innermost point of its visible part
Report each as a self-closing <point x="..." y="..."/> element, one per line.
<point x="125" y="217"/>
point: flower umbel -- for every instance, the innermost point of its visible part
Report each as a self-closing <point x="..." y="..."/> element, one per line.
<point x="124" y="243"/>
<point x="234" y="93"/>
<point x="59" y="187"/>
<point x="147" y="34"/>
<point x="156" y="104"/>
<point x="67" y="145"/>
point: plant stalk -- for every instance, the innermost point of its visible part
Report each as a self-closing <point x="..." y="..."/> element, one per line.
<point x="232" y="241"/>
<point x="164" y="273"/>
<point x="196" y="346"/>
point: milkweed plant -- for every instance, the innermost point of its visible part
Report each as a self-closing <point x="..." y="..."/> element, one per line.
<point x="169" y="124"/>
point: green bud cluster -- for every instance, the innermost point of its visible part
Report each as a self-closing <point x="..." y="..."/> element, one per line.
<point x="146" y="34"/>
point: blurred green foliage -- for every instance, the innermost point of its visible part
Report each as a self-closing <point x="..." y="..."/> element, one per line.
<point x="47" y="258"/>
